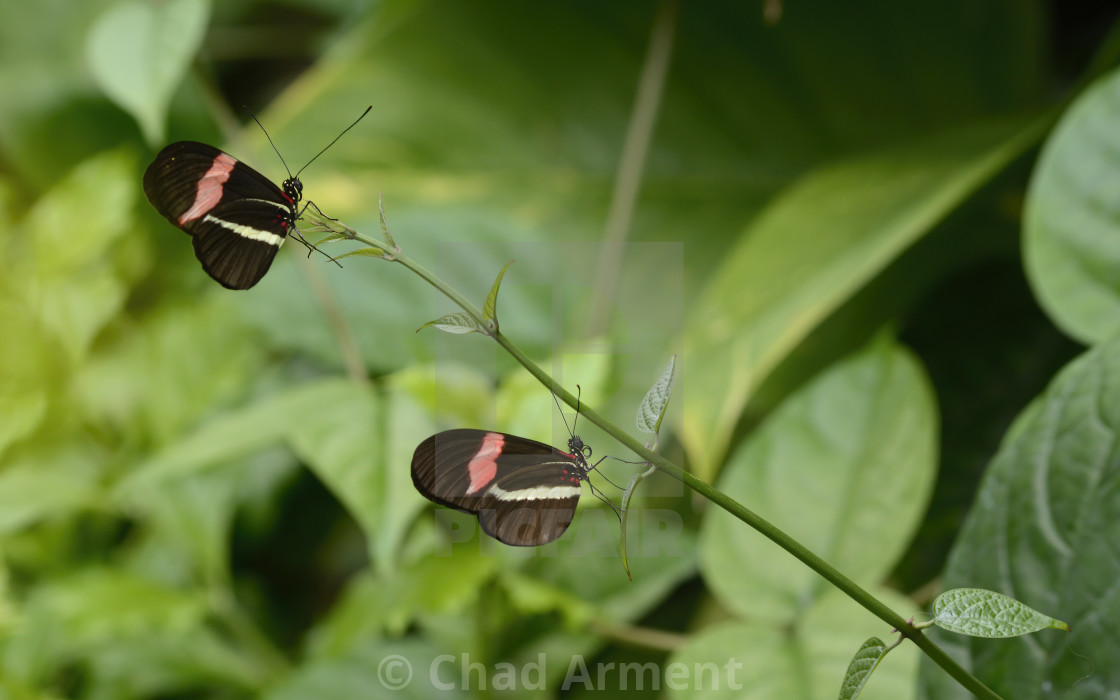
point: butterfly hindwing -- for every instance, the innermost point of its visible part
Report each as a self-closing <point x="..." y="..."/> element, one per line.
<point x="531" y="505"/>
<point x="237" y="241"/>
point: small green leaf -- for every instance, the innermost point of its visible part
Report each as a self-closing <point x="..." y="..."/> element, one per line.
<point x="634" y="481"/>
<point x="652" y="408"/>
<point x="385" y="225"/>
<point x="371" y="251"/>
<point x="490" y="308"/>
<point x="332" y="237"/>
<point x="982" y="613"/>
<point x="458" y="322"/>
<point x="863" y="664"/>
<point x="139" y="51"/>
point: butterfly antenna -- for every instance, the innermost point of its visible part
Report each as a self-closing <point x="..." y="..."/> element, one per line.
<point x="258" y="121"/>
<point x="336" y="138"/>
<point x="561" y="409"/>
<point x="579" y="393"/>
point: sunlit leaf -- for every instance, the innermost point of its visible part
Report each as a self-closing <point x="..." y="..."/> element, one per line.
<point x="26" y="372"/>
<point x="138" y="52"/>
<point x="73" y="283"/>
<point x="1070" y="242"/>
<point x="49" y="482"/>
<point x="166" y="374"/>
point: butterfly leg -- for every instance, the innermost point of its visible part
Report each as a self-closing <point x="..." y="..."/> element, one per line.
<point x="311" y="246"/>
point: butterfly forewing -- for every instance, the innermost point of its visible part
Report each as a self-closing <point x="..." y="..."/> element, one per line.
<point x="171" y="181"/>
<point x="524" y="492"/>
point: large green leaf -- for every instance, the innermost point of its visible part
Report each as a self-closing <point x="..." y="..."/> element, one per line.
<point x="138" y="52"/>
<point x="339" y="429"/>
<point x="811" y="251"/>
<point x="845" y="466"/>
<point x="1071" y="244"/>
<point x="242" y="432"/>
<point x="360" y="447"/>
<point x="47" y="121"/>
<point x="1042" y="530"/>
<point x="60" y="285"/>
<point x="529" y="153"/>
<point x="132" y="635"/>
<point x="70" y="274"/>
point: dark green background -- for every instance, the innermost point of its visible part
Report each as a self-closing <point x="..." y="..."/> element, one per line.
<point x="198" y="499"/>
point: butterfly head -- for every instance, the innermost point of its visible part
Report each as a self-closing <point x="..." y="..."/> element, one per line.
<point x="580" y="450"/>
<point x="293" y="188"/>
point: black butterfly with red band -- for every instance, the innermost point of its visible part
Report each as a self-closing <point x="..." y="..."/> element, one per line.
<point x="524" y="492"/>
<point x="237" y="218"/>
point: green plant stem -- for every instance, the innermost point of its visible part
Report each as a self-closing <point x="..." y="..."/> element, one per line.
<point x="638" y="637"/>
<point x="775" y="535"/>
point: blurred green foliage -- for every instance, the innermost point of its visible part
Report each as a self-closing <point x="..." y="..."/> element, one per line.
<point x="201" y="497"/>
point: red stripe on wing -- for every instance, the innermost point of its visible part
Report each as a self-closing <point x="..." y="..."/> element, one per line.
<point x="483" y="467"/>
<point x="210" y="188"/>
